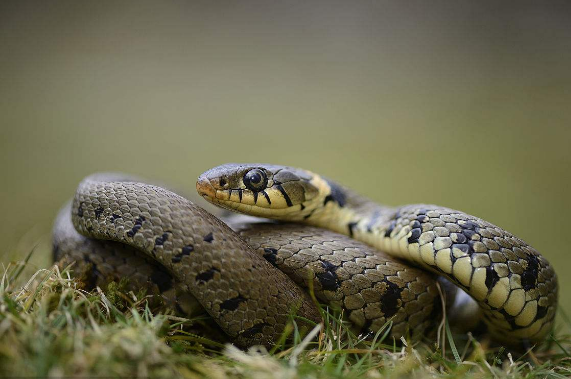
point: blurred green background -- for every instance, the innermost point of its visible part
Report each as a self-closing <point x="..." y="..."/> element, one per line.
<point x="462" y="104"/>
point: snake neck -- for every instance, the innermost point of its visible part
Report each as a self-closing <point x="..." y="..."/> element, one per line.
<point x="344" y="211"/>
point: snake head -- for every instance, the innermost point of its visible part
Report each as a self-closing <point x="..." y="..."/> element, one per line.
<point x="260" y="189"/>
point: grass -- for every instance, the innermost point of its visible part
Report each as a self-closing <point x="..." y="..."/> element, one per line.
<point x="50" y="326"/>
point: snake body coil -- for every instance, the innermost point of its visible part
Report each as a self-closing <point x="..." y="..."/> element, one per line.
<point x="233" y="274"/>
<point x="514" y="285"/>
<point x="201" y="252"/>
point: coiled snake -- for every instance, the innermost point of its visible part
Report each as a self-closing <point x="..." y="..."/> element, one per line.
<point x="233" y="274"/>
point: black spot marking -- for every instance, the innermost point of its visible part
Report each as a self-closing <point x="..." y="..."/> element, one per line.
<point x="208" y="238"/>
<point x="328" y="279"/>
<point x="255" y="197"/>
<point x="470" y="225"/>
<point x="468" y="233"/>
<point x="222" y="182"/>
<point x="206" y="275"/>
<point x="256" y="329"/>
<point x="136" y="227"/>
<point x="185" y="251"/>
<point x="337" y="194"/>
<point x="271" y="255"/>
<point x="80" y="210"/>
<point x="351" y="226"/>
<point x="284" y="194"/>
<point x="492" y="277"/>
<point x="415" y="235"/>
<point x="415" y="224"/>
<point x="390" y="300"/>
<point x="98" y="211"/>
<point x="452" y="258"/>
<point x="422" y="218"/>
<point x="114" y="217"/>
<point x="374" y="218"/>
<point x="302" y="207"/>
<point x="133" y="231"/>
<point x="232" y="304"/>
<point x="460" y="238"/>
<point x="529" y="275"/>
<point x="541" y="312"/>
<point x="391" y="228"/>
<point x="159" y="241"/>
<point x="162" y="279"/>
<point x="240" y="194"/>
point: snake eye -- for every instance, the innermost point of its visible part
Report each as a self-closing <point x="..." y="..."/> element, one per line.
<point x="255" y="180"/>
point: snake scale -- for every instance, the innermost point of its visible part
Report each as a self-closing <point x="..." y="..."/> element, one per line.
<point x="233" y="275"/>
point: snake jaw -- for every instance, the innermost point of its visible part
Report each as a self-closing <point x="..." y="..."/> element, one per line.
<point x="205" y="188"/>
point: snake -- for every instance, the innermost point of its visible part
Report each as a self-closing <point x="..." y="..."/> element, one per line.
<point x="378" y="264"/>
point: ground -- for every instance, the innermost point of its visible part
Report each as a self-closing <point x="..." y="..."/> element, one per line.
<point x="50" y="326"/>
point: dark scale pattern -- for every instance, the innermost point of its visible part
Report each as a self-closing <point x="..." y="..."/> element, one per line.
<point x="515" y="286"/>
<point x="218" y="270"/>
<point x="348" y="274"/>
<point x="102" y="262"/>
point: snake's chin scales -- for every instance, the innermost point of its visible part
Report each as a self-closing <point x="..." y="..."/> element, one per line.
<point x="377" y="263"/>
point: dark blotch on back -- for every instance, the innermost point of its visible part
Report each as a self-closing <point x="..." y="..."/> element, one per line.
<point x="206" y="275"/>
<point x="391" y="228"/>
<point x="541" y="312"/>
<point x="208" y="238"/>
<point x="114" y="217"/>
<point x="470" y="225"/>
<point x="337" y="194"/>
<point x="137" y="226"/>
<point x="328" y="279"/>
<point x="161" y="240"/>
<point x="529" y="276"/>
<point x="492" y="277"/>
<point x="98" y="212"/>
<point x="185" y="251"/>
<point x="415" y="235"/>
<point x="232" y="304"/>
<point x="390" y="300"/>
<point x="258" y="328"/>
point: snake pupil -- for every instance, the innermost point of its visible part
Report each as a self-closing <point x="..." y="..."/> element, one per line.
<point x="255" y="180"/>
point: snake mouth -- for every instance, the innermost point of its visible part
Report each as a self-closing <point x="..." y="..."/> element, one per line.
<point x="205" y="188"/>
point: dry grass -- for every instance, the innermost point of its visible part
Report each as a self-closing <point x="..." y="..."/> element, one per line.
<point x="51" y="327"/>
